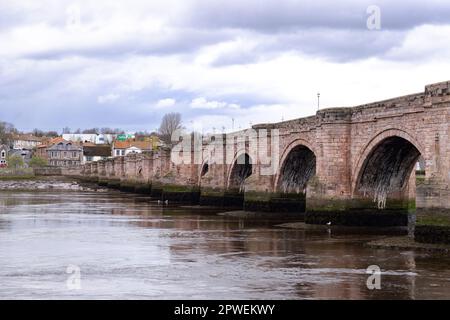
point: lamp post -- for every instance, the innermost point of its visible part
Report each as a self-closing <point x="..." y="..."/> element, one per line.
<point x="318" y="101"/>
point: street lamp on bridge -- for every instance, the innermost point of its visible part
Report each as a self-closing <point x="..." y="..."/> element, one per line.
<point x="318" y="101"/>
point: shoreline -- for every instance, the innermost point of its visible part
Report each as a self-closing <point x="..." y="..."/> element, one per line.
<point x="47" y="184"/>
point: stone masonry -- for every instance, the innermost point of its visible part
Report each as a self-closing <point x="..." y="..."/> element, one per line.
<point x="353" y="160"/>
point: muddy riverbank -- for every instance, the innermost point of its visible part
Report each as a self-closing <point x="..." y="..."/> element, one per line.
<point x="48" y="183"/>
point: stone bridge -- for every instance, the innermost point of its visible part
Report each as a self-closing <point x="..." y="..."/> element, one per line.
<point x="354" y="160"/>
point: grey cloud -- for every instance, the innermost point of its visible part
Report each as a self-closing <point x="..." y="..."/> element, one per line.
<point x="181" y="41"/>
<point x="336" y="45"/>
<point x="275" y="16"/>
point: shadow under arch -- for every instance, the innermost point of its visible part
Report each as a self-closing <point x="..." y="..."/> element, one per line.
<point x="204" y="170"/>
<point x="240" y="170"/>
<point x="383" y="174"/>
<point x="298" y="166"/>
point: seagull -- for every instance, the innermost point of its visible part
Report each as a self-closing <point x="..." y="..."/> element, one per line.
<point x="167" y="202"/>
<point x="159" y="201"/>
<point x="329" y="223"/>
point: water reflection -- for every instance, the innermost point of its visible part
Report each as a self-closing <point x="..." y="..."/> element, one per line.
<point x="129" y="247"/>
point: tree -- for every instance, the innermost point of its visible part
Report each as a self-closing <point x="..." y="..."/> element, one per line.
<point x="111" y="131"/>
<point x="51" y="134"/>
<point x="15" y="161"/>
<point x="7" y="131"/>
<point x="91" y="131"/>
<point x="38" y="133"/>
<point x="37" y="162"/>
<point x="169" y="124"/>
<point x="66" y="130"/>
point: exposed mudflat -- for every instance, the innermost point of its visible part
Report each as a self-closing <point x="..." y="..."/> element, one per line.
<point x="48" y="184"/>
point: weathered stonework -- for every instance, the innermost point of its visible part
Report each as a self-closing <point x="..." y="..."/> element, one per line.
<point x="356" y="160"/>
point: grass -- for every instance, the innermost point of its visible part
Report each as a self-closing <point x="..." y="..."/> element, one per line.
<point x="18" y="177"/>
<point x="8" y="174"/>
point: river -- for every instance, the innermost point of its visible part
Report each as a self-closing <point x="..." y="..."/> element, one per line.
<point x="122" y="246"/>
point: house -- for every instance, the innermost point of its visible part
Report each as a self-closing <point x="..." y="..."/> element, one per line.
<point x="94" y="138"/>
<point x="95" y="152"/>
<point x="25" y="142"/>
<point x="4" y="150"/>
<point x="122" y="148"/>
<point x="41" y="149"/>
<point x="64" y="153"/>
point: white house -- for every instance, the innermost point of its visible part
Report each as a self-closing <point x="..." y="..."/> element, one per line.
<point x="92" y="153"/>
<point x="132" y="150"/>
<point x="94" y="138"/>
<point x="26" y="142"/>
<point x="122" y="148"/>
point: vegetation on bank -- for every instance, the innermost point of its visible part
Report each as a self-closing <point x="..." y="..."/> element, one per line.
<point x="37" y="162"/>
<point x="15" y="162"/>
<point x="16" y="174"/>
<point x="17" y="170"/>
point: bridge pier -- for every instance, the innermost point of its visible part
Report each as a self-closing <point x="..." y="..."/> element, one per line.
<point x="260" y="196"/>
<point x="359" y="210"/>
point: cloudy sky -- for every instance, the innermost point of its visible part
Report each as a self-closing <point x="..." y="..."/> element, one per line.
<point x="126" y="63"/>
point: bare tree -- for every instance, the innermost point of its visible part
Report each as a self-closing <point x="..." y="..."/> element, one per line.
<point x="38" y="133"/>
<point x="51" y="134"/>
<point x="169" y="123"/>
<point x="111" y="131"/>
<point x="91" y="131"/>
<point x="66" y="130"/>
<point x="7" y="131"/>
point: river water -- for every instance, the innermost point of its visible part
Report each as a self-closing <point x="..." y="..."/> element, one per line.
<point x="121" y="246"/>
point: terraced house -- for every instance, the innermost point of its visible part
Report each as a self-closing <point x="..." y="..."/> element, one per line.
<point x="64" y="153"/>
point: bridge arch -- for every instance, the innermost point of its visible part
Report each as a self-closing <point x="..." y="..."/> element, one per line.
<point x="385" y="164"/>
<point x="240" y="169"/>
<point x="297" y="165"/>
<point x="204" y="169"/>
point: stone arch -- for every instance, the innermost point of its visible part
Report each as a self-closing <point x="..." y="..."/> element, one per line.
<point x="296" y="144"/>
<point x="204" y="169"/>
<point x="385" y="165"/>
<point x="240" y="169"/>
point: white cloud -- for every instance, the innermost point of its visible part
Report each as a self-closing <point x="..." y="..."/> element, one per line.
<point x="111" y="97"/>
<point x="202" y="103"/>
<point x="165" y="103"/>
